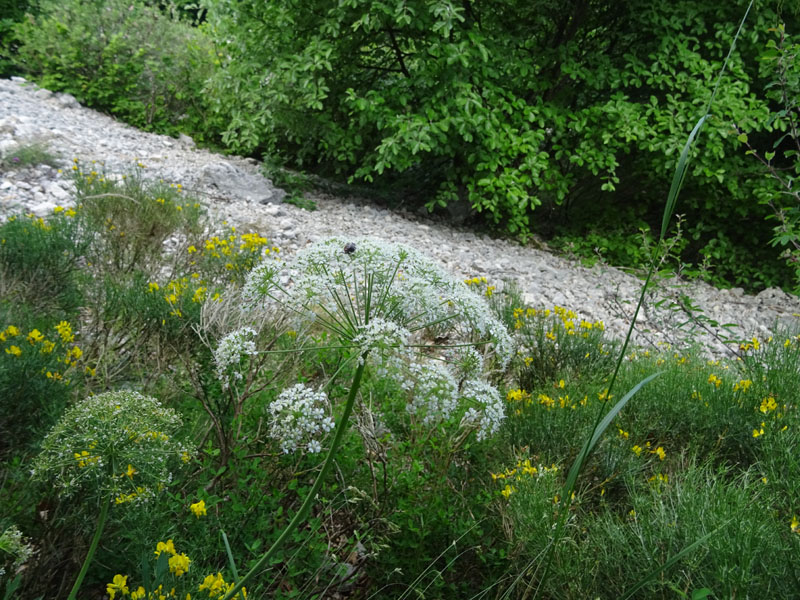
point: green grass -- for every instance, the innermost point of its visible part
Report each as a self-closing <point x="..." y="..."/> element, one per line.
<point x="29" y="155"/>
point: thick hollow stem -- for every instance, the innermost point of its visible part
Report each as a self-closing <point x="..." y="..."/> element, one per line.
<point x="301" y="513"/>
<point x="101" y="523"/>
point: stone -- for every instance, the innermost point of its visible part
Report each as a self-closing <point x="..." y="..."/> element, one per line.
<point x="67" y="101"/>
<point x="7" y="147"/>
<point x="186" y="142"/>
<point x="237" y="184"/>
<point x="55" y="190"/>
<point x="43" y="94"/>
<point x="273" y="210"/>
<point x="43" y="209"/>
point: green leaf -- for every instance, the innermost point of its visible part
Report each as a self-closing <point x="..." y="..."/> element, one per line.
<point x="742" y="137"/>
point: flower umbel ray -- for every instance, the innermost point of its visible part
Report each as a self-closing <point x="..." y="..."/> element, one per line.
<point x="342" y="292"/>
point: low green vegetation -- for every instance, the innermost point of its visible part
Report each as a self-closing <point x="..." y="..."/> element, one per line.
<point x="28" y="155"/>
<point x="431" y="495"/>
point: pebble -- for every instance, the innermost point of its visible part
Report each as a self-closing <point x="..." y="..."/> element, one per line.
<point x="234" y="189"/>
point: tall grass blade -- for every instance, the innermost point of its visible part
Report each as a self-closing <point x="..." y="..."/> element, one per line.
<point x="575" y="470"/>
<point x="231" y="562"/>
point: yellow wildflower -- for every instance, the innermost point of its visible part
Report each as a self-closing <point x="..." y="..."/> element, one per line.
<point x="179" y="564"/>
<point x="768" y="404"/>
<point x="198" y="508"/>
<point x="35" y="336"/>
<point x="119" y="584"/>
<point x="168" y="547"/>
<point x="13" y="350"/>
<point x="64" y="330"/>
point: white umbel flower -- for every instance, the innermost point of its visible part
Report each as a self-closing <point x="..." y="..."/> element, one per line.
<point x="300" y="418"/>
<point x="229" y="354"/>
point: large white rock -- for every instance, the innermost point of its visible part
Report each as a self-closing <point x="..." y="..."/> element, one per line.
<point x="235" y="183"/>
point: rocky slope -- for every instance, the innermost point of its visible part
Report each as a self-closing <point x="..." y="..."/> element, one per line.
<point x="233" y="190"/>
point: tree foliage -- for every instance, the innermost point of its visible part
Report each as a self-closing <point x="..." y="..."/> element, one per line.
<point x="130" y="58"/>
<point x="504" y="106"/>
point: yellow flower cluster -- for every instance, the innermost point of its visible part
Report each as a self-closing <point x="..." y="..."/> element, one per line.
<point x="523" y="469"/>
<point x="638" y="450"/>
<point x="217" y="587"/>
<point x="753" y="344"/>
<point x="139" y="492"/>
<point x="68" y="212"/>
<point x="177" y="290"/>
<point x="246" y="243"/>
<point x="475" y="281"/>
<point x="178" y="563"/>
<point x="769" y="406"/>
<point x="479" y="282"/>
<point x="567" y="317"/>
<point x="522" y="398"/>
<point x="85" y="459"/>
<point x="198" y="508"/>
<point x="36" y="339"/>
<point x="118" y="584"/>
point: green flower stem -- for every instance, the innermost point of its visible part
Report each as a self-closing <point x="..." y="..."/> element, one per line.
<point x="101" y="523"/>
<point x="301" y="513"/>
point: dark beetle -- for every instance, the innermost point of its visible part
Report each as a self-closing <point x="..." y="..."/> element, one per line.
<point x="349" y="248"/>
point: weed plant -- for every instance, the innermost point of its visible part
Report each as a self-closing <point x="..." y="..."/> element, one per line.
<point x="28" y="155"/>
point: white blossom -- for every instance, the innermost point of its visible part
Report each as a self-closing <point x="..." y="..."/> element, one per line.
<point x="433" y="389"/>
<point x="490" y="412"/>
<point x="299" y="418"/>
<point x="230" y="352"/>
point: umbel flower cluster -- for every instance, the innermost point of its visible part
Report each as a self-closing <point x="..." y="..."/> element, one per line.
<point x="231" y="352"/>
<point x="401" y="311"/>
<point x="117" y="445"/>
<point x="300" y="417"/>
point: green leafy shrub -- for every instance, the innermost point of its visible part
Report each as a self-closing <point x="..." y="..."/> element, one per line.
<point x="780" y="66"/>
<point x="127" y="58"/>
<point x="132" y="216"/>
<point x="39" y="369"/>
<point x="613" y="545"/>
<point x="11" y="13"/>
<point x="588" y="113"/>
<point x="40" y="261"/>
